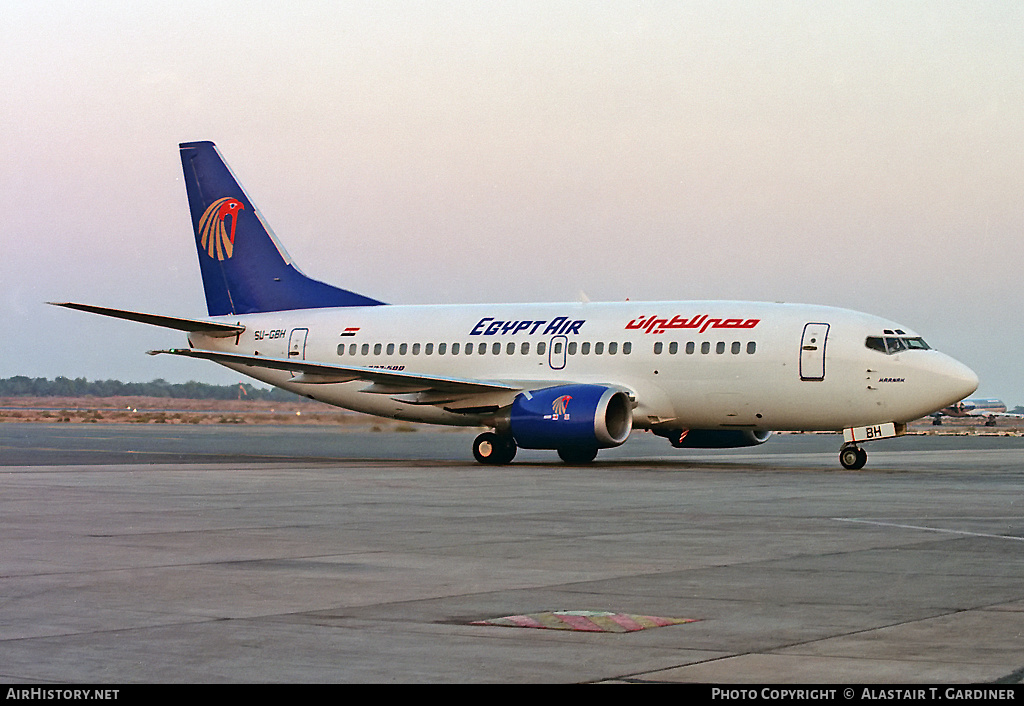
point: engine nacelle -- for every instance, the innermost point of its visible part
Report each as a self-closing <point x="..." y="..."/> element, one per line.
<point x="571" y="416"/>
<point x="713" y="438"/>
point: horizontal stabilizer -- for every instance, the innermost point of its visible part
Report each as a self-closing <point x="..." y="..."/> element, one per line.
<point x="320" y="373"/>
<point x="209" y="328"/>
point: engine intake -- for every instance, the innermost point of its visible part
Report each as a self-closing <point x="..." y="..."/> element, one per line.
<point x="571" y="416"/>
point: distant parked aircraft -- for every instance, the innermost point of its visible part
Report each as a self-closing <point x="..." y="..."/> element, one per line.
<point x="987" y="407"/>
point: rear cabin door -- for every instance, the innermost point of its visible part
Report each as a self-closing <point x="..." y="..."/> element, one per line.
<point x="297" y="343"/>
<point x="812" y="352"/>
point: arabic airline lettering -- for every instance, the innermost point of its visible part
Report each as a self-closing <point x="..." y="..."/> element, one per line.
<point x="574" y="378"/>
<point x="701" y="323"/>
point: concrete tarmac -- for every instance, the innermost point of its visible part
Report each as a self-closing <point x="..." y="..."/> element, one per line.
<point x="159" y="553"/>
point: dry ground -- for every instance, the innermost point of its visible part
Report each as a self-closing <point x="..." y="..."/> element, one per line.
<point x="162" y="410"/>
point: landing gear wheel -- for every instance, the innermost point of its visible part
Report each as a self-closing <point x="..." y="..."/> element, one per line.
<point x="853" y="458"/>
<point x="494" y="450"/>
<point x="577" y="455"/>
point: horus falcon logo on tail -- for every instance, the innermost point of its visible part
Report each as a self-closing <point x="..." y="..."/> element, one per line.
<point x="214" y="237"/>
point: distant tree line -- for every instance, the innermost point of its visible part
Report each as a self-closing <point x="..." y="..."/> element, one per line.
<point x="22" y="386"/>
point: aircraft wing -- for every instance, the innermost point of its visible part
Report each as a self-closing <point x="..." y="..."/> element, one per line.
<point x="413" y="388"/>
<point x="209" y="328"/>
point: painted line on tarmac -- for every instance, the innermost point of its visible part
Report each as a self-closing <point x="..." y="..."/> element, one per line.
<point x="928" y="529"/>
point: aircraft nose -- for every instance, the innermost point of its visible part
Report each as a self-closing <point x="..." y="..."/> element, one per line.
<point x="953" y="380"/>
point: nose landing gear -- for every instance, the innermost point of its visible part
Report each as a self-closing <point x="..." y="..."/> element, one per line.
<point x="852" y="457"/>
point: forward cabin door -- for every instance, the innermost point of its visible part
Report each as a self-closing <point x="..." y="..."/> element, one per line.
<point x="812" y="352"/>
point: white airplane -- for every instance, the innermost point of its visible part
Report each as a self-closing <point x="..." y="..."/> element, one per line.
<point x="574" y="377"/>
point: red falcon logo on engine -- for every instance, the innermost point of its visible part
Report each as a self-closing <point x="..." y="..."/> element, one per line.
<point x="560" y="407"/>
<point x="214" y="236"/>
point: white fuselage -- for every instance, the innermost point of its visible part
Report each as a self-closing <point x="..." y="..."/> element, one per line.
<point x="719" y="364"/>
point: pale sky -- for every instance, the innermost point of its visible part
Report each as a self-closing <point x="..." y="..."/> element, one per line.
<point x="859" y="154"/>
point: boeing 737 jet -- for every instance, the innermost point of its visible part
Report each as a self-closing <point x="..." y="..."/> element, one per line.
<point x="573" y="377"/>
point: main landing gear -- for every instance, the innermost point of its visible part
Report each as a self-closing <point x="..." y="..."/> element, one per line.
<point x="498" y="449"/>
<point x="852" y="457"/>
<point x="494" y="449"/>
<point x="578" y="455"/>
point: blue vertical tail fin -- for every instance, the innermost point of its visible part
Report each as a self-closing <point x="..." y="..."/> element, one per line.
<point x="245" y="270"/>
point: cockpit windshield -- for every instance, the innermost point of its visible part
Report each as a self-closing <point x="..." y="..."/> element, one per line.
<point x="890" y="344"/>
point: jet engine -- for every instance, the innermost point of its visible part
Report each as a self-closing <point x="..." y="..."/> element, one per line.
<point x="571" y="416"/>
<point x="713" y="438"/>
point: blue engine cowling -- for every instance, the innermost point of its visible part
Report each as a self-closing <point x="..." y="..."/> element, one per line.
<point x="713" y="438"/>
<point x="571" y="416"/>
